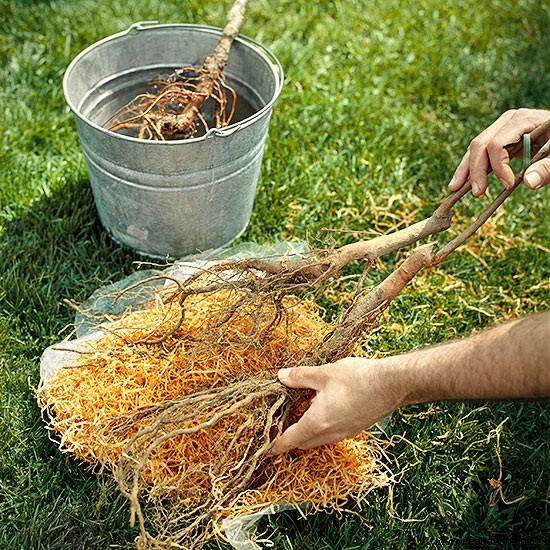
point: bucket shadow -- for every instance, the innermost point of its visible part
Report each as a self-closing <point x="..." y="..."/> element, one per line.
<point x="53" y="250"/>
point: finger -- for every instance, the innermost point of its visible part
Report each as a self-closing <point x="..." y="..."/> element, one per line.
<point x="523" y="121"/>
<point x="480" y="164"/>
<point x="460" y="177"/>
<point x="538" y="174"/>
<point x="302" y="377"/>
<point x="499" y="160"/>
<point x="296" y="436"/>
<point x="479" y="168"/>
<point x="323" y="439"/>
<point x="478" y="145"/>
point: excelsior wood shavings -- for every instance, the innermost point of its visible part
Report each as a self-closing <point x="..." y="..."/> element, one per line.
<point x="122" y="387"/>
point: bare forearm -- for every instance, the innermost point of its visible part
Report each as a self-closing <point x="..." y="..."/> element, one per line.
<point x="510" y="361"/>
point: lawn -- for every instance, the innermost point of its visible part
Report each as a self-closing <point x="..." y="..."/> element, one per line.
<point x="379" y="103"/>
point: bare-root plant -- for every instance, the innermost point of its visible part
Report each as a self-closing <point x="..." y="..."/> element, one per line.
<point x="261" y="406"/>
<point x="267" y="403"/>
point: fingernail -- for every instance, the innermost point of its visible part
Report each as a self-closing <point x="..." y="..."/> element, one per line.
<point x="476" y="188"/>
<point x="452" y="182"/>
<point x="283" y="373"/>
<point x="533" y="180"/>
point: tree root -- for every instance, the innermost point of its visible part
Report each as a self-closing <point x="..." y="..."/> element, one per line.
<point x="260" y="405"/>
<point x="174" y="110"/>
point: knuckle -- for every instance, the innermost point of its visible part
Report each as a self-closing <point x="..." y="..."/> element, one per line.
<point x="494" y="148"/>
<point x="320" y="373"/>
<point x="324" y="424"/>
<point x="295" y="374"/>
<point x="300" y="375"/>
<point x="521" y="112"/>
<point x="477" y="143"/>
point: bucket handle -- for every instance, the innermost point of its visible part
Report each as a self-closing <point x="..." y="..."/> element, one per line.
<point x="222" y="132"/>
<point x="139" y="26"/>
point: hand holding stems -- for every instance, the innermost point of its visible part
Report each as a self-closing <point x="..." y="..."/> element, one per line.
<point x="510" y="361"/>
<point x="488" y="152"/>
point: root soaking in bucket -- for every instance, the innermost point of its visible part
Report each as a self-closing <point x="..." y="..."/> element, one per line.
<point x="189" y="101"/>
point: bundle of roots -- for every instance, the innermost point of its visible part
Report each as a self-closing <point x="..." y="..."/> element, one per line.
<point x="172" y="109"/>
<point x="184" y="409"/>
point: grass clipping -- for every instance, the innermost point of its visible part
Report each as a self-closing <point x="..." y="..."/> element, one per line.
<point x="182" y="406"/>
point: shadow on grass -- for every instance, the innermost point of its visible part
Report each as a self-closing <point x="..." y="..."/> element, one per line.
<point x="50" y="250"/>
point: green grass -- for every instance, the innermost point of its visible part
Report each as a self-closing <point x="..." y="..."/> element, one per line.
<point x="379" y="103"/>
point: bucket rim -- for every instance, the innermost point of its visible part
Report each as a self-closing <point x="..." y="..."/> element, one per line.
<point x="146" y="26"/>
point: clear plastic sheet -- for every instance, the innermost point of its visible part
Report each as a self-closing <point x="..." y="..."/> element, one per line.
<point x="238" y="531"/>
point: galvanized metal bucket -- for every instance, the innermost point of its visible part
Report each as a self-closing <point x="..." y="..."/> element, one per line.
<point x="171" y="198"/>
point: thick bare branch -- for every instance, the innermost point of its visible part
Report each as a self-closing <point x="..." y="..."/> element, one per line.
<point x="315" y="270"/>
<point x="213" y="66"/>
<point x="154" y="115"/>
<point x="366" y="309"/>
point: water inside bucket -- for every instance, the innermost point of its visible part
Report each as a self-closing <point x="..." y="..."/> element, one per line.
<point x="108" y="97"/>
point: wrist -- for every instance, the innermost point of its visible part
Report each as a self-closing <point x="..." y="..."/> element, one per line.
<point x="407" y="377"/>
<point x="396" y="380"/>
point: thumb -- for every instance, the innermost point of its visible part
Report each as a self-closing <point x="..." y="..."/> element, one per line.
<point x="302" y="377"/>
<point x="538" y="174"/>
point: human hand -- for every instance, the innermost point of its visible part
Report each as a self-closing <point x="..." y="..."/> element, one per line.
<point x="486" y="152"/>
<point x="352" y="395"/>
